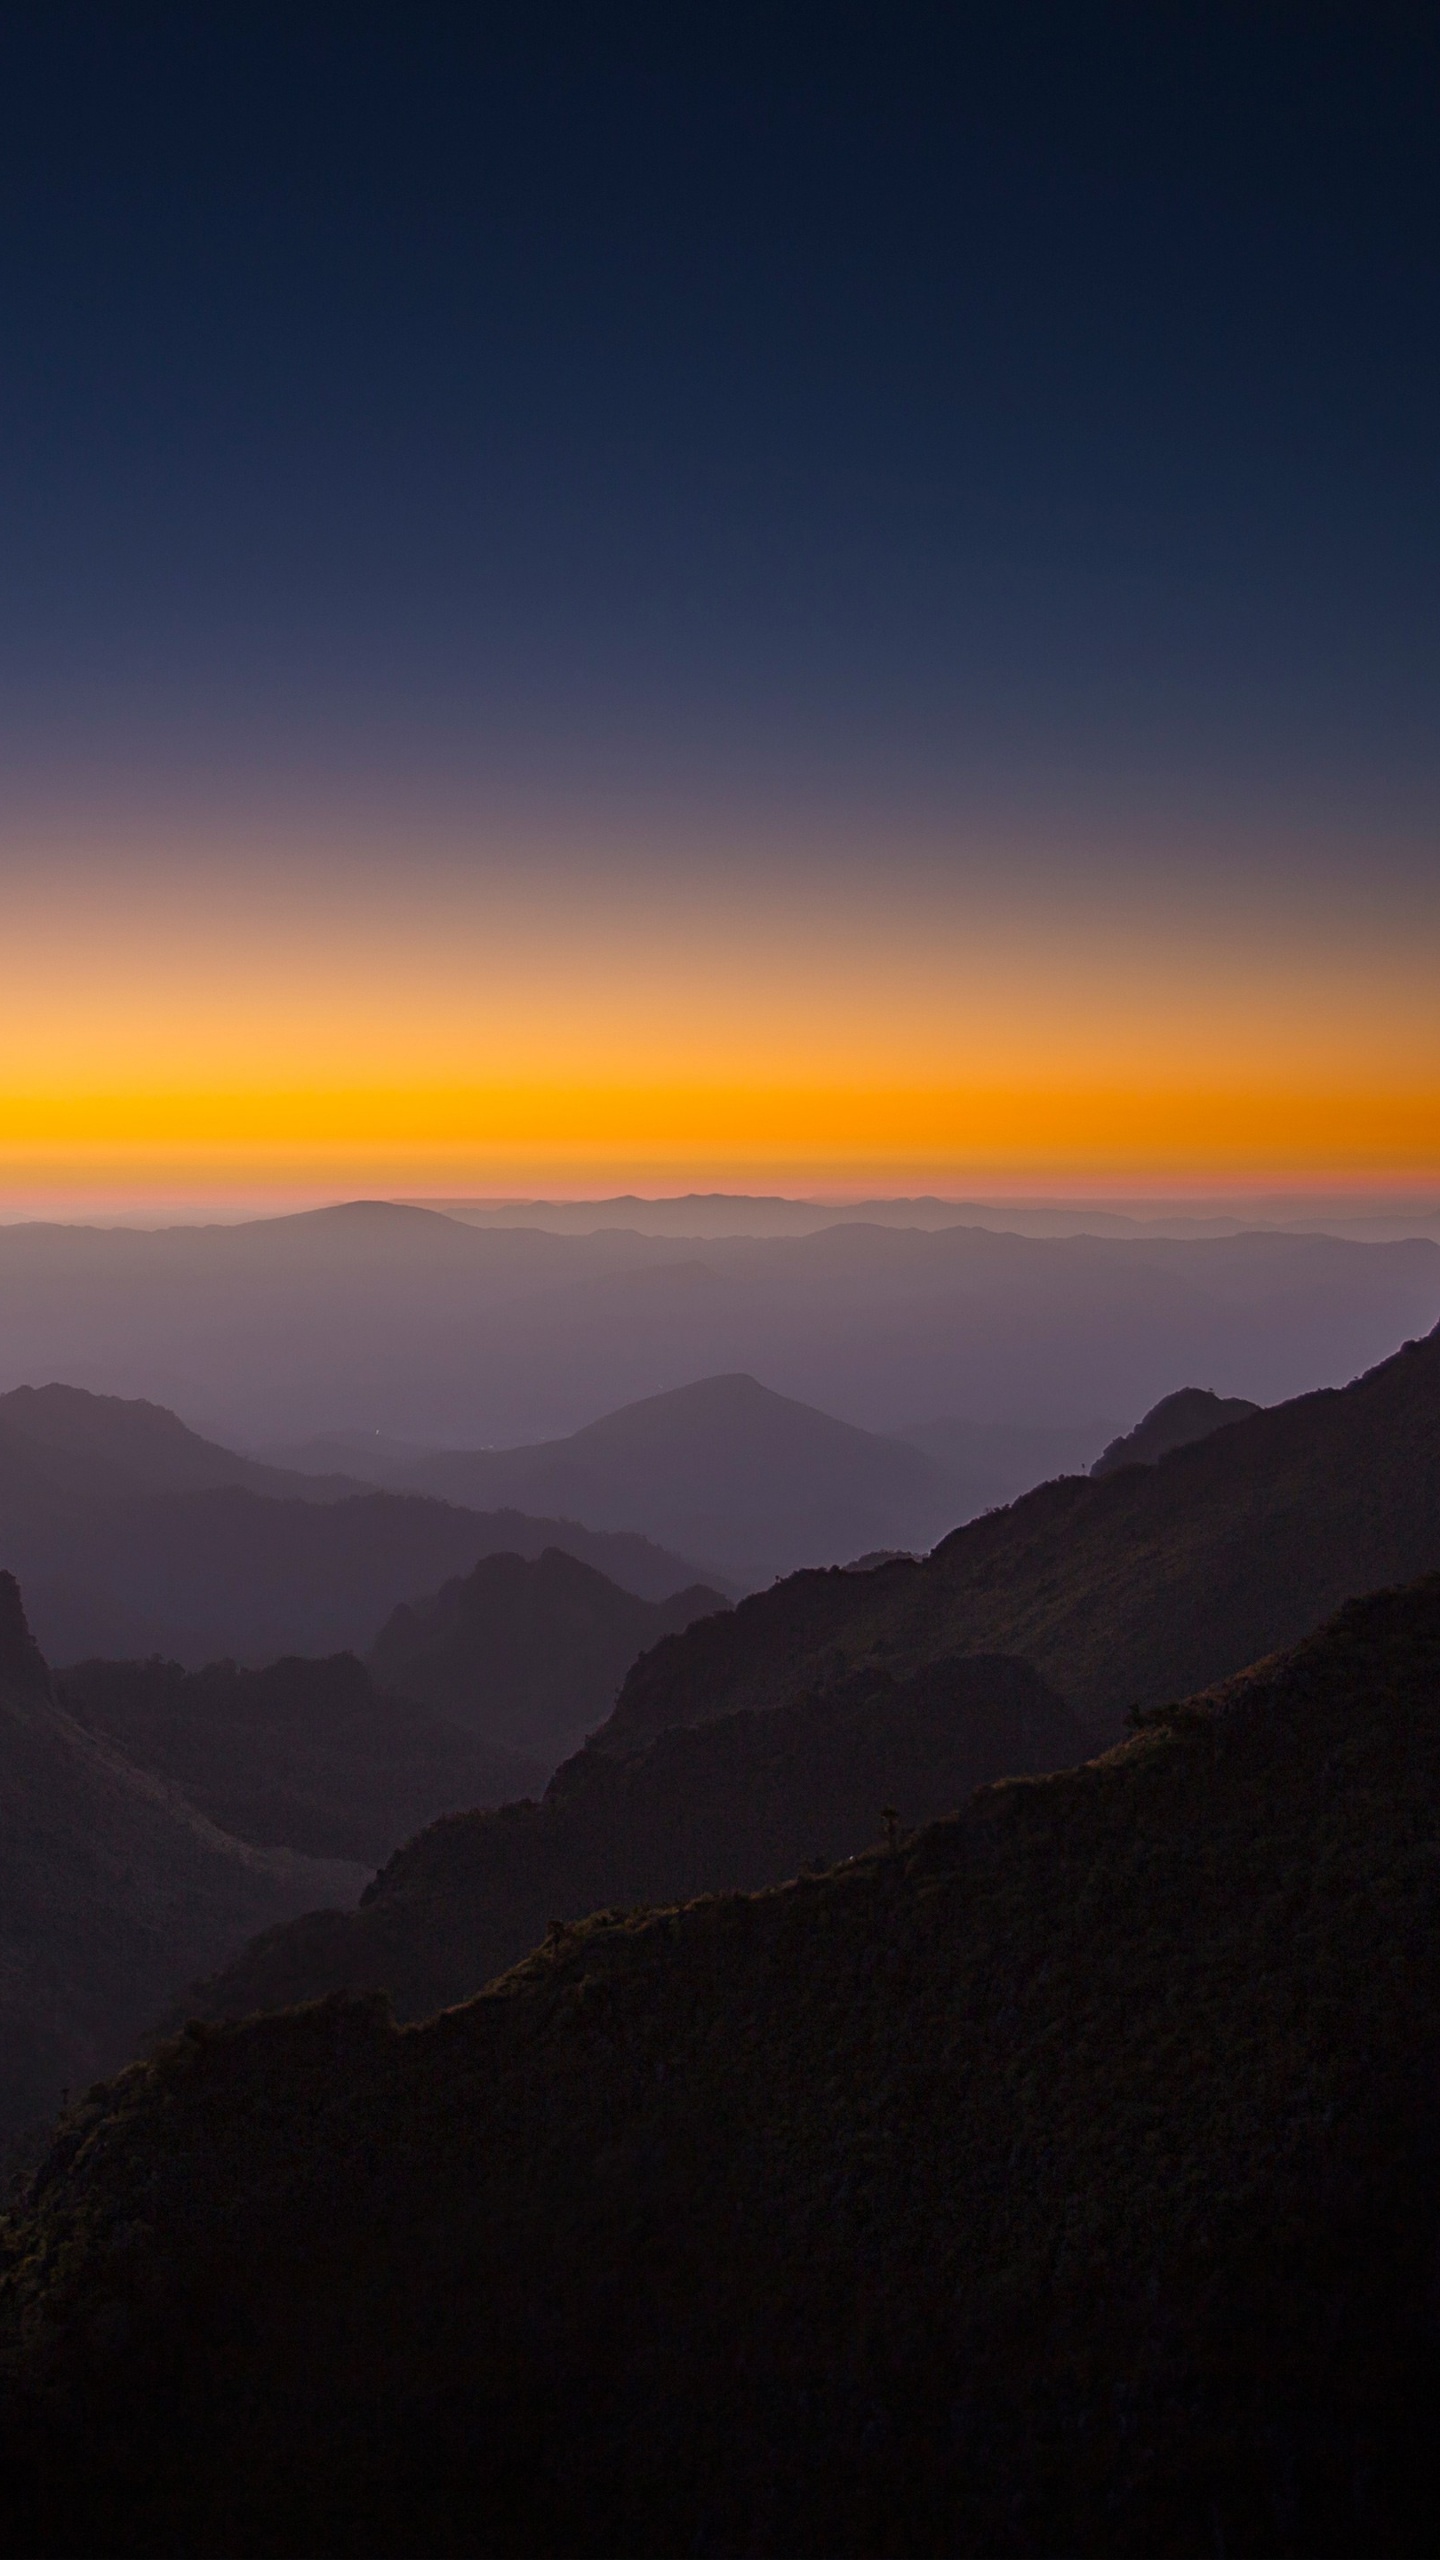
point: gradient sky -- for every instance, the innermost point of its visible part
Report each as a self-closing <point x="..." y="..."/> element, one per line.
<point x="706" y="596"/>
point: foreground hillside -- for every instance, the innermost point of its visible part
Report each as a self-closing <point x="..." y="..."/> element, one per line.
<point x="744" y="1801"/>
<point x="1132" y="1589"/>
<point x="114" y="1891"/>
<point x="1063" y="2181"/>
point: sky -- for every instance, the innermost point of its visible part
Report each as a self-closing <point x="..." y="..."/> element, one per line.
<point x="718" y="598"/>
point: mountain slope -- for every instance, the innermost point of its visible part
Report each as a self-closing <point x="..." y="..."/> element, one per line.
<point x="303" y="1754"/>
<point x="1135" y="1588"/>
<point x="737" y="1803"/>
<point x="1192" y="1413"/>
<point x="528" y="1654"/>
<point x="722" y="1468"/>
<point x="1063" y="2183"/>
<point x="113" y="1890"/>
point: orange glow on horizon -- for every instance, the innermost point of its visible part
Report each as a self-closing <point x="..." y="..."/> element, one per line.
<point x="420" y="1028"/>
<point x="518" y="1134"/>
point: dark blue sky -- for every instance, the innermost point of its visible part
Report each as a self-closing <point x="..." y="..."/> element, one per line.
<point x="1030" y="403"/>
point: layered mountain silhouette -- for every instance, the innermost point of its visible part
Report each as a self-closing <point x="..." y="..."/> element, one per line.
<point x="410" y="1325"/>
<point x="1192" y="1413"/>
<point x="307" y="1755"/>
<point x="1060" y="2180"/>
<point x="723" y="1469"/>
<point x="72" y="1442"/>
<point x="134" y="1536"/>
<point x="743" y="1801"/>
<point x="1128" y="1590"/>
<point x="113" y="1890"/>
<point x="527" y="1654"/>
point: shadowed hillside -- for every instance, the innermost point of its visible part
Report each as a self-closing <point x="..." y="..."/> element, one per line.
<point x="113" y="1890"/>
<point x="1062" y="2182"/>
<point x="1131" y="1589"/>
<point x="302" y="1755"/>
<point x="742" y="1802"/>
<point x="527" y="1654"/>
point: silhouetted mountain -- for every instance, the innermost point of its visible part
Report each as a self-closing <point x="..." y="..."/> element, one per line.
<point x="96" y="1446"/>
<point x="1149" y="1583"/>
<point x="528" y="1655"/>
<point x="302" y="1755"/>
<point x="722" y="1468"/>
<point x="742" y="1802"/>
<point x="1063" y="2182"/>
<point x="113" y="1891"/>
<point x="418" y="1328"/>
<point x="1192" y="1413"/>
<point x="133" y="1537"/>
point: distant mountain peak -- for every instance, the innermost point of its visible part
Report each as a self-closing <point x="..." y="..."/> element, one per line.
<point x="1190" y="1414"/>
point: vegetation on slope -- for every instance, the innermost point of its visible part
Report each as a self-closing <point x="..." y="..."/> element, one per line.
<point x="1061" y="2182"/>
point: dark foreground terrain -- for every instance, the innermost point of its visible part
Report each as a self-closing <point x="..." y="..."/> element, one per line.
<point x="1062" y="2181"/>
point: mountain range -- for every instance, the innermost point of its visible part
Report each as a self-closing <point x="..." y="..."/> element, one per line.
<point x="1130" y="1589"/>
<point x="399" y="1321"/>
<point x="1058" y="2180"/>
<point x="1119" y="1592"/>
<point x="133" y="1535"/>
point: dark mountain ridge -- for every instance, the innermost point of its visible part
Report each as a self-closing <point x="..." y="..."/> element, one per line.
<point x="740" y="1802"/>
<point x="1062" y="2181"/>
<point x="1191" y="1413"/>
<point x="1132" y="1589"/>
